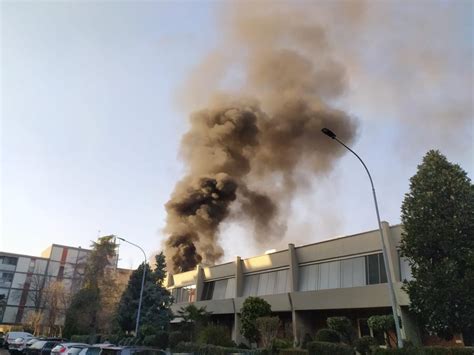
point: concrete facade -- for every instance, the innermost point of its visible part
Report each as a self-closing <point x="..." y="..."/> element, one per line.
<point x="23" y="278"/>
<point x="304" y="285"/>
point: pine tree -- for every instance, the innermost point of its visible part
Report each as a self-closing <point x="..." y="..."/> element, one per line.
<point x="438" y="241"/>
<point x="156" y="302"/>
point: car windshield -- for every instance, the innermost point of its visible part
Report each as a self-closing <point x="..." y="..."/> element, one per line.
<point x="74" y="350"/>
<point x="38" y="345"/>
<point x="90" y="351"/>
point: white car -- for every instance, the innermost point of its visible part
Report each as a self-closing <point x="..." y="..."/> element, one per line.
<point x="68" y="348"/>
<point x="16" y="341"/>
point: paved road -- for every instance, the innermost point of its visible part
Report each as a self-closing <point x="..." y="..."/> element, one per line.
<point x="4" y="352"/>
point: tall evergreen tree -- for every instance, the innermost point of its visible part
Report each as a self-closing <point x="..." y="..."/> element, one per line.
<point x="438" y="241"/>
<point x="156" y="302"/>
<point x="84" y="312"/>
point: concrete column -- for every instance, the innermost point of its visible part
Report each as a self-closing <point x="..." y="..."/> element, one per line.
<point x="199" y="282"/>
<point x="392" y="252"/>
<point x="239" y="278"/>
<point x="239" y="287"/>
<point x="293" y="262"/>
<point x="236" y="335"/>
<point x="293" y="275"/>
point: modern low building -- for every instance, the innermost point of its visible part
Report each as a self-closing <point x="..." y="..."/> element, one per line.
<point x="306" y="284"/>
<point x="24" y="279"/>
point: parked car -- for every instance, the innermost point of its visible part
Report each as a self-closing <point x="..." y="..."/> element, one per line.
<point x="131" y="350"/>
<point x="43" y="347"/>
<point x="2" y="336"/>
<point x="13" y="345"/>
<point x="91" y="350"/>
<point x="31" y="342"/>
<point x="68" y="348"/>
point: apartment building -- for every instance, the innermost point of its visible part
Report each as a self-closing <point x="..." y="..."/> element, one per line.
<point x="23" y="279"/>
<point x="306" y="284"/>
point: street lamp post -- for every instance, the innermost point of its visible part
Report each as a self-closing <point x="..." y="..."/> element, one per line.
<point x="137" y="323"/>
<point x="393" y="300"/>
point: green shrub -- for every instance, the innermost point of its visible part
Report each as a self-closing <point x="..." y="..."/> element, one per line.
<point x="325" y="348"/>
<point x="428" y="350"/>
<point x="176" y="337"/>
<point x="209" y="349"/>
<point x="80" y="339"/>
<point x="159" y="340"/>
<point x="253" y="308"/>
<point x="306" y="340"/>
<point x="293" y="352"/>
<point x="328" y="335"/>
<point x="279" y="344"/>
<point x="439" y="350"/>
<point x="114" y="338"/>
<point x="243" y="346"/>
<point x="343" y="326"/>
<point x="365" y="344"/>
<point x="383" y="324"/>
<point x="215" y="335"/>
<point x="409" y="351"/>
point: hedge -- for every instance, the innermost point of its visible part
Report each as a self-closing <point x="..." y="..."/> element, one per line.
<point x="159" y="340"/>
<point x="176" y="337"/>
<point x="208" y="349"/>
<point x="80" y="339"/>
<point x="325" y="348"/>
<point x="293" y="352"/>
<point x="428" y="350"/>
<point x="327" y="335"/>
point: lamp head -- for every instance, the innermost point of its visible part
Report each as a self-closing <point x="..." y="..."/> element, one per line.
<point x="329" y="133"/>
<point x="121" y="239"/>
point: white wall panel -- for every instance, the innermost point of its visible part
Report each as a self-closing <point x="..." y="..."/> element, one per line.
<point x="262" y="284"/>
<point x="9" y="315"/>
<point x="56" y="253"/>
<point x="23" y="264"/>
<point x="219" y="289"/>
<point x="15" y="297"/>
<point x="53" y="268"/>
<point x="19" y="280"/>
<point x="72" y="255"/>
<point x="358" y="273"/>
<point x="40" y="266"/>
<point x="283" y="282"/>
<point x="405" y="270"/>
<point x="323" y="276"/>
<point x="230" y="290"/>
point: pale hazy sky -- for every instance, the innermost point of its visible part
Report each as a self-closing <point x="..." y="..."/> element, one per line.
<point x="90" y="130"/>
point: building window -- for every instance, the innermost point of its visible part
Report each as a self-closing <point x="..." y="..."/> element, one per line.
<point x="6" y="278"/>
<point x="405" y="269"/>
<point x="184" y="294"/>
<point x="208" y="290"/>
<point x="267" y="283"/>
<point x="8" y="260"/>
<point x="334" y="274"/>
<point x="375" y="269"/>
<point x="218" y="290"/>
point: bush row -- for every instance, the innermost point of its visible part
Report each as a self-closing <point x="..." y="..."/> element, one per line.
<point x="293" y="352"/>
<point x="428" y="350"/>
<point x="326" y="348"/>
<point x="208" y="349"/>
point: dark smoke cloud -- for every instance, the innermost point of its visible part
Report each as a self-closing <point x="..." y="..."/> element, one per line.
<point x="245" y="151"/>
